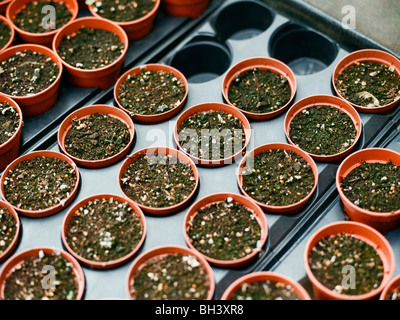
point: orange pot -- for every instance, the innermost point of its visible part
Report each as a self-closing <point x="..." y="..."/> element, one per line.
<point x="42" y="101"/>
<point x="327" y="101"/>
<point x="85" y="112"/>
<point x="261" y="63"/>
<point x="213" y="106"/>
<point x="367" y="55"/>
<point x="157" y="117"/>
<point x="39" y="38"/>
<point x="392" y="285"/>
<point x="9" y="266"/>
<point x="51" y="210"/>
<point x="104" y="77"/>
<point x="291" y="209"/>
<point x="220" y="197"/>
<point x="264" y="276"/>
<point x="141" y="260"/>
<point x="362" y="232"/>
<point x="6" y="253"/>
<point x="9" y="24"/>
<point x="382" y="221"/>
<point x="135" y="29"/>
<point x="185" y="8"/>
<point x="3" y="5"/>
<point x="9" y="150"/>
<point x="97" y="264"/>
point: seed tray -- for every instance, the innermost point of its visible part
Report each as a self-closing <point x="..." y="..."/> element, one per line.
<point x="204" y="50"/>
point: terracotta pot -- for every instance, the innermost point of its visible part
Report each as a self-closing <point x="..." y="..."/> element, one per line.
<point x="135" y="29"/>
<point x="264" y="276"/>
<point x="261" y="63"/>
<point x="327" y="101"/>
<point x="169" y="151"/>
<point x="141" y="260"/>
<point x="9" y="150"/>
<point x="9" y="24"/>
<point x="392" y="285"/>
<point x="367" y="55"/>
<point x="39" y="38"/>
<point x="220" y="197"/>
<point x="85" y="112"/>
<point x="51" y="210"/>
<point x="42" y="101"/>
<point x="104" y="77"/>
<point x="3" y="5"/>
<point x="291" y="209"/>
<point x="8" y="267"/>
<point x="10" y="249"/>
<point x="213" y="106"/>
<point x="382" y="221"/>
<point x="185" y="8"/>
<point x="361" y="232"/>
<point x="157" y="117"/>
<point x="97" y="264"/>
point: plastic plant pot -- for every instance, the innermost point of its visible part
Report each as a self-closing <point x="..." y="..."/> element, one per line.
<point x="261" y="63"/>
<point x="264" y="276"/>
<point x="157" y="211"/>
<point x="12" y="246"/>
<point x="394" y="284"/>
<point x="12" y="30"/>
<point x="362" y="232"/>
<point x="10" y="265"/>
<point x="135" y="29"/>
<point x="371" y="55"/>
<point x="156" y="118"/>
<point x="50" y="210"/>
<point x="9" y="150"/>
<point x="326" y="101"/>
<point x="185" y="8"/>
<point x="163" y="251"/>
<point x="45" y="38"/>
<point x="103" y="265"/>
<point x="42" y="101"/>
<point x="3" y="5"/>
<point x="221" y="197"/>
<point x="104" y="77"/>
<point x="382" y="221"/>
<point x="290" y="209"/>
<point x="218" y="107"/>
<point x="85" y="112"/>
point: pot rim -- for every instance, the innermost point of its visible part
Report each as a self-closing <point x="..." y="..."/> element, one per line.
<point x="6" y="253"/>
<point x="393" y="284"/>
<point x="12" y="103"/>
<point x="12" y="30"/>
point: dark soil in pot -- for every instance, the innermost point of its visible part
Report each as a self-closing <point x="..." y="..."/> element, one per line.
<point x="259" y="91"/>
<point x="265" y="290"/>
<point x="331" y="254"/>
<point x="278" y="178"/>
<point x="322" y="130"/>
<point x="374" y="186"/>
<point x="5" y="34"/>
<point x="393" y="295"/>
<point x="9" y="121"/>
<point x="90" y="48"/>
<point x="8" y="229"/>
<point x="369" y="84"/>
<point x="27" y="73"/>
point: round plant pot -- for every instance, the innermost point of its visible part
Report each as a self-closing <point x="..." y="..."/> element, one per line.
<point x="135" y="29"/>
<point x="9" y="266"/>
<point x="42" y="101"/>
<point x="9" y="150"/>
<point x="107" y="264"/>
<point x="51" y="210"/>
<point x="10" y="25"/>
<point x="156" y="118"/>
<point x="220" y="197"/>
<point x="141" y="260"/>
<point x="372" y="55"/>
<point x="104" y="77"/>
<point x="261" y="63"/>
<point x="265" y="276"/>
<point x="326" y="101"/>
<point x="10" y="249"/>
<point x="382" y="221"/>
<point x="45" y="38"/>
<point x="168" y="151"/>
<point x="84" y="112"/>
<point x="218" y="107"/>
<point x="291" y="209"/>
<point x="392" y="285"/>
<point x="3" y="5"/>
<point x="185" y="8"/>
<point x="363" y="233"/>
